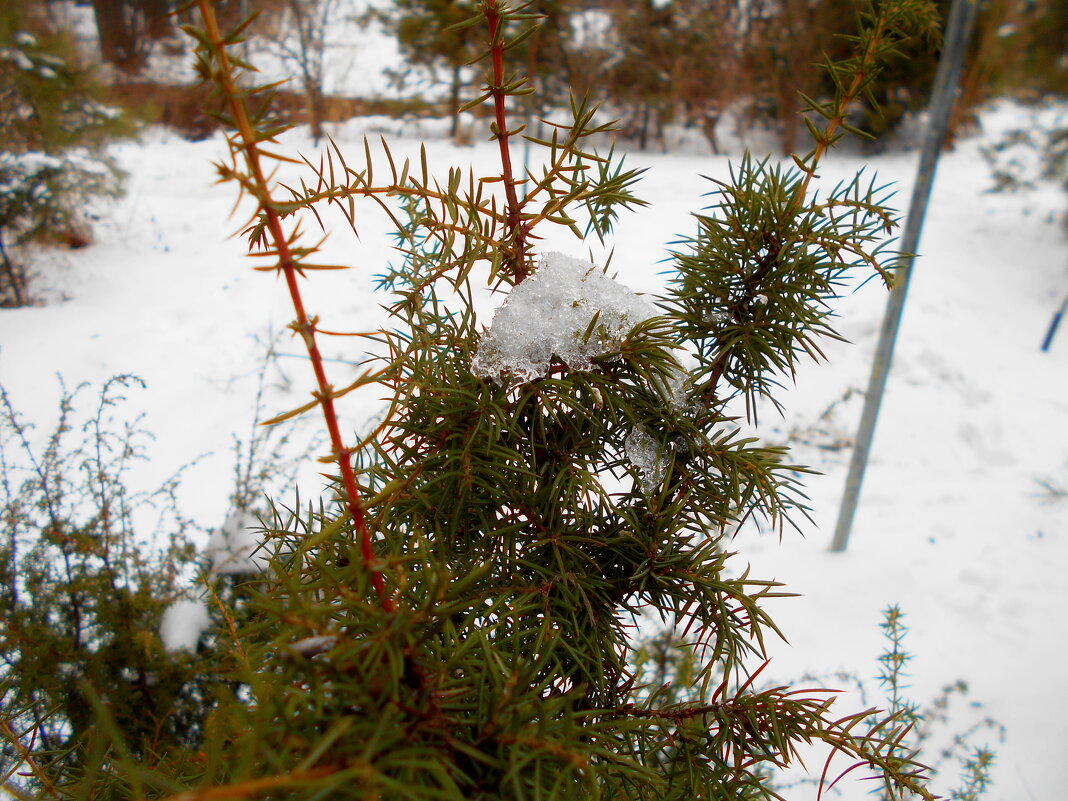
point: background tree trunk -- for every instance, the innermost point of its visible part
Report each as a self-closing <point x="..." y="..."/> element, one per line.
<point x="158" y="19"/>
<point x="120" y="25"/>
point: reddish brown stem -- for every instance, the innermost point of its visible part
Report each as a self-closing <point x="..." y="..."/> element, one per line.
<point x="867" y="57"/>
<point x="303" y="325"/>
<point x="516" y="232"/>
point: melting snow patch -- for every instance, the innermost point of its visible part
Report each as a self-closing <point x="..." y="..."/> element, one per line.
<point x="182" y="624"/>
<point x="550" y="314"/>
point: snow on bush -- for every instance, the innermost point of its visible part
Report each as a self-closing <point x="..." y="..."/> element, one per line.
<point x="235" y="549"/>
<point x="182" y="624"/>
<point x="311" y="646"/>
<point x="21" y="174"/>
<point x="550" y="314"/>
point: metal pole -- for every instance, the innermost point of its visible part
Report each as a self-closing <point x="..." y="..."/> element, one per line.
<point x="1056" y="321"/>
<point x="962" y="17"/>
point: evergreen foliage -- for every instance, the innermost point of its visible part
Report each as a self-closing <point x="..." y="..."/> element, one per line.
<point x="460" y="624"/>
<point x="82" y="596"/>
<point x="52" y="129"/>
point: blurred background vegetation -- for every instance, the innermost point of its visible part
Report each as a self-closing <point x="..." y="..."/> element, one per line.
<point x="650" y="62"/>
<point x="75" y="74"/>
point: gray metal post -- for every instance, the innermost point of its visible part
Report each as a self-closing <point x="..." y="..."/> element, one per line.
<point x="962" y="17"/>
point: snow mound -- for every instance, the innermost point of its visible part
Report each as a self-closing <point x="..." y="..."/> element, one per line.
<point x="551" y="313"/>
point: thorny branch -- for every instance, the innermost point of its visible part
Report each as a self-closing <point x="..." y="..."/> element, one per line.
<point x="247" y="142"/>
<point x="515" y="260"/>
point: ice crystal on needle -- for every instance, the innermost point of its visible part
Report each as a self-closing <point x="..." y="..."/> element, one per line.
<point x="645" y="453"/>
<point x="550" y="314"/>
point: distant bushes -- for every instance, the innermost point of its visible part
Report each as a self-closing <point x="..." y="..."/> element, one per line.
<point x="52" y="129"/>
<point x="650" y="62"/>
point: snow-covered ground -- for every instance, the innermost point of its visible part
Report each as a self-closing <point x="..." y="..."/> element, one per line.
<point x="952" y="526"/>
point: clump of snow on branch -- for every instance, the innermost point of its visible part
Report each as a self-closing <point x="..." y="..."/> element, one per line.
<point x="646" y="454"/>
<point x="182" y="624"/>
<point x="235" y="549"/>
<point x="311" y="646"/>
<point x="550" y="314"/>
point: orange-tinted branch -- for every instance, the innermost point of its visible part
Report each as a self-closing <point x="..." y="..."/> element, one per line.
<point x="303" y="325"/>
<point x="515" y="231"/>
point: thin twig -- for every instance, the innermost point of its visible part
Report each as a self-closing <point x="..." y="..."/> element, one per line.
<point x="27" y="758"/>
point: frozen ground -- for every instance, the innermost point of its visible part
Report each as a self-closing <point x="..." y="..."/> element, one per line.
<point x="952" y="525"/>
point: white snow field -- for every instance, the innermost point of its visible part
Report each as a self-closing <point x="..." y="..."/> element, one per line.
<point x="953" y="524"/>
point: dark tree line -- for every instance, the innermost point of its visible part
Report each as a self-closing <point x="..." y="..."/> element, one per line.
<point x="682" y="61"/>
<point x="686" y="61"/>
